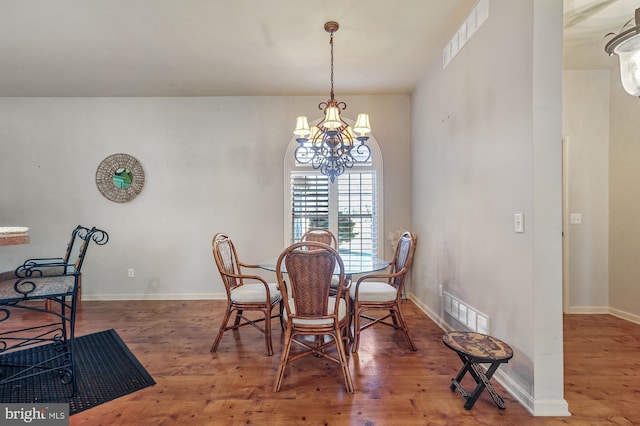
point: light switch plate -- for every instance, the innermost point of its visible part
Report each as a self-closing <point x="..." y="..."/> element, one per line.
<point x="518" y="222"/>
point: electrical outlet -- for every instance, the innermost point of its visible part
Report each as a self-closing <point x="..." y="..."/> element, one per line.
<point x="518" y="222"/>
<point x="130" y="273"/>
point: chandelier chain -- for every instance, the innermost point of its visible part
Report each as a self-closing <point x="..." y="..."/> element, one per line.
<point x="331" y="43"/>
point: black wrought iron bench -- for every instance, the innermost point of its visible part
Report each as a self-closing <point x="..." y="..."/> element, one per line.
<point x="26" y="322"/>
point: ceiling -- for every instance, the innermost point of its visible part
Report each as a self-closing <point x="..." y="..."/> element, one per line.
<point x="586" y="25"/>
<point x="219" y="47"/>
<point x="249" y="47"/>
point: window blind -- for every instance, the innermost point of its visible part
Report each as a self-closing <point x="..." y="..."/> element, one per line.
<point x="357" y="224"/>
<point x="309" y="204"/>
<point x="347" y="208"/>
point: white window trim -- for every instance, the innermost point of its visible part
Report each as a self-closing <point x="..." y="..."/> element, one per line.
<point x="290" y="167"/>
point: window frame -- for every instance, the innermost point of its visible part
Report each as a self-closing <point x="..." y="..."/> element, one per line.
<point x="376" y="165"/>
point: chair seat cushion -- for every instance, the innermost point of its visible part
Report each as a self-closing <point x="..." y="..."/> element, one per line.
<point x="372" y="291"/>
<point x="342" y="312"/>
<point x="335" y="280"/>
<point x="36" y="287"/>
<point x="254" y="292"/>
<point x="8" y="275"/>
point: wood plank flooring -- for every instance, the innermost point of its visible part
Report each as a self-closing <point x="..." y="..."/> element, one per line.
<point x="394" y="386"/>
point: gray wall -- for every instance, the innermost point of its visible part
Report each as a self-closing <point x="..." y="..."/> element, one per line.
<point x="211" y="164"/>
<point x="585" y="126"/>
<point x="624" y="201"/>
<point x="485" y="137"/>
<point x="599" y="123"/>
<point x="486" y="144"/>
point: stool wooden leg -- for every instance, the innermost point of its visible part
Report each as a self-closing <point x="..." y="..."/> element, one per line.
<point x="484" y="383"/>
<point x="482" y="380"/>
<point x="455" y="383"/>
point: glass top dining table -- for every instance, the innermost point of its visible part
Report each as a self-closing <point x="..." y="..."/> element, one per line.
<point x="354" y="263"/>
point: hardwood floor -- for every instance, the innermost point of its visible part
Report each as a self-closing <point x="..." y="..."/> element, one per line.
<point x="394" y="386"/>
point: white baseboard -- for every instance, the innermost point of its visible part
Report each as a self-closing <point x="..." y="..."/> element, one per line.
<point x="628" y="316"/>
<point x="118" y="297"/>
<point x="625" y="315"/>
<point x="550" y="408"/>
<point x="536" y="408"/>
<point x="588" y="310"/>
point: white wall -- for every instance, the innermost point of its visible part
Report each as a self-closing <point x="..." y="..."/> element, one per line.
<point x="486" y="143"/>
<point x="585" y="126"/>
<point x="211" y="164"/>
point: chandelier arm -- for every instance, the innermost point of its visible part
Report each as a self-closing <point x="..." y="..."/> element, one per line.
<point x="362" y="149"/>
<point x="302" y="155"/>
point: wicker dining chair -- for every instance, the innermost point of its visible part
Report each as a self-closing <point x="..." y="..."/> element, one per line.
<point x="244" y="293"/>
<point x="321" y="235"/>
<point x="310" y="310"/>
<point x="327" y="237"/>
<point x="383" y="292"/>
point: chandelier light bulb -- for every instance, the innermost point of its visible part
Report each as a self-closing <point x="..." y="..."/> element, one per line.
<point x="362" y="127"/>
<point x="332" y="118"/>
<point x="302" y="128"/>
<point x="626" y="46"/>
<point x="629" y="55"/>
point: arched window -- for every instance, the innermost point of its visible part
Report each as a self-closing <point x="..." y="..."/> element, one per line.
<point x="351" y="207"/>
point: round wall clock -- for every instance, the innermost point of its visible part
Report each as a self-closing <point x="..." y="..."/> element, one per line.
<point x="120" y="177"/>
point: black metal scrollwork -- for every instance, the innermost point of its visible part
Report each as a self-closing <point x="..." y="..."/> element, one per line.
<point x="99" y="236"/>
<point x="25" y="288"/>
<point x="332" y="154"/>
<point x="54" y="280"/>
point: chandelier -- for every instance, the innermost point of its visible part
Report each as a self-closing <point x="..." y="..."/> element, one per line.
<point x="332" y="145"/>
<point x="627" y="46"/>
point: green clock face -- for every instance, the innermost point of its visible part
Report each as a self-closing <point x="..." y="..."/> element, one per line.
<point x="120" y="178"/>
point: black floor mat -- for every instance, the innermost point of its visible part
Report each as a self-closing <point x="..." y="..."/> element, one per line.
<point x="105" y="370"/>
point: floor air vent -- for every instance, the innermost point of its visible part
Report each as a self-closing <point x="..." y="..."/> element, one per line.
<point x="466" y="315"/>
